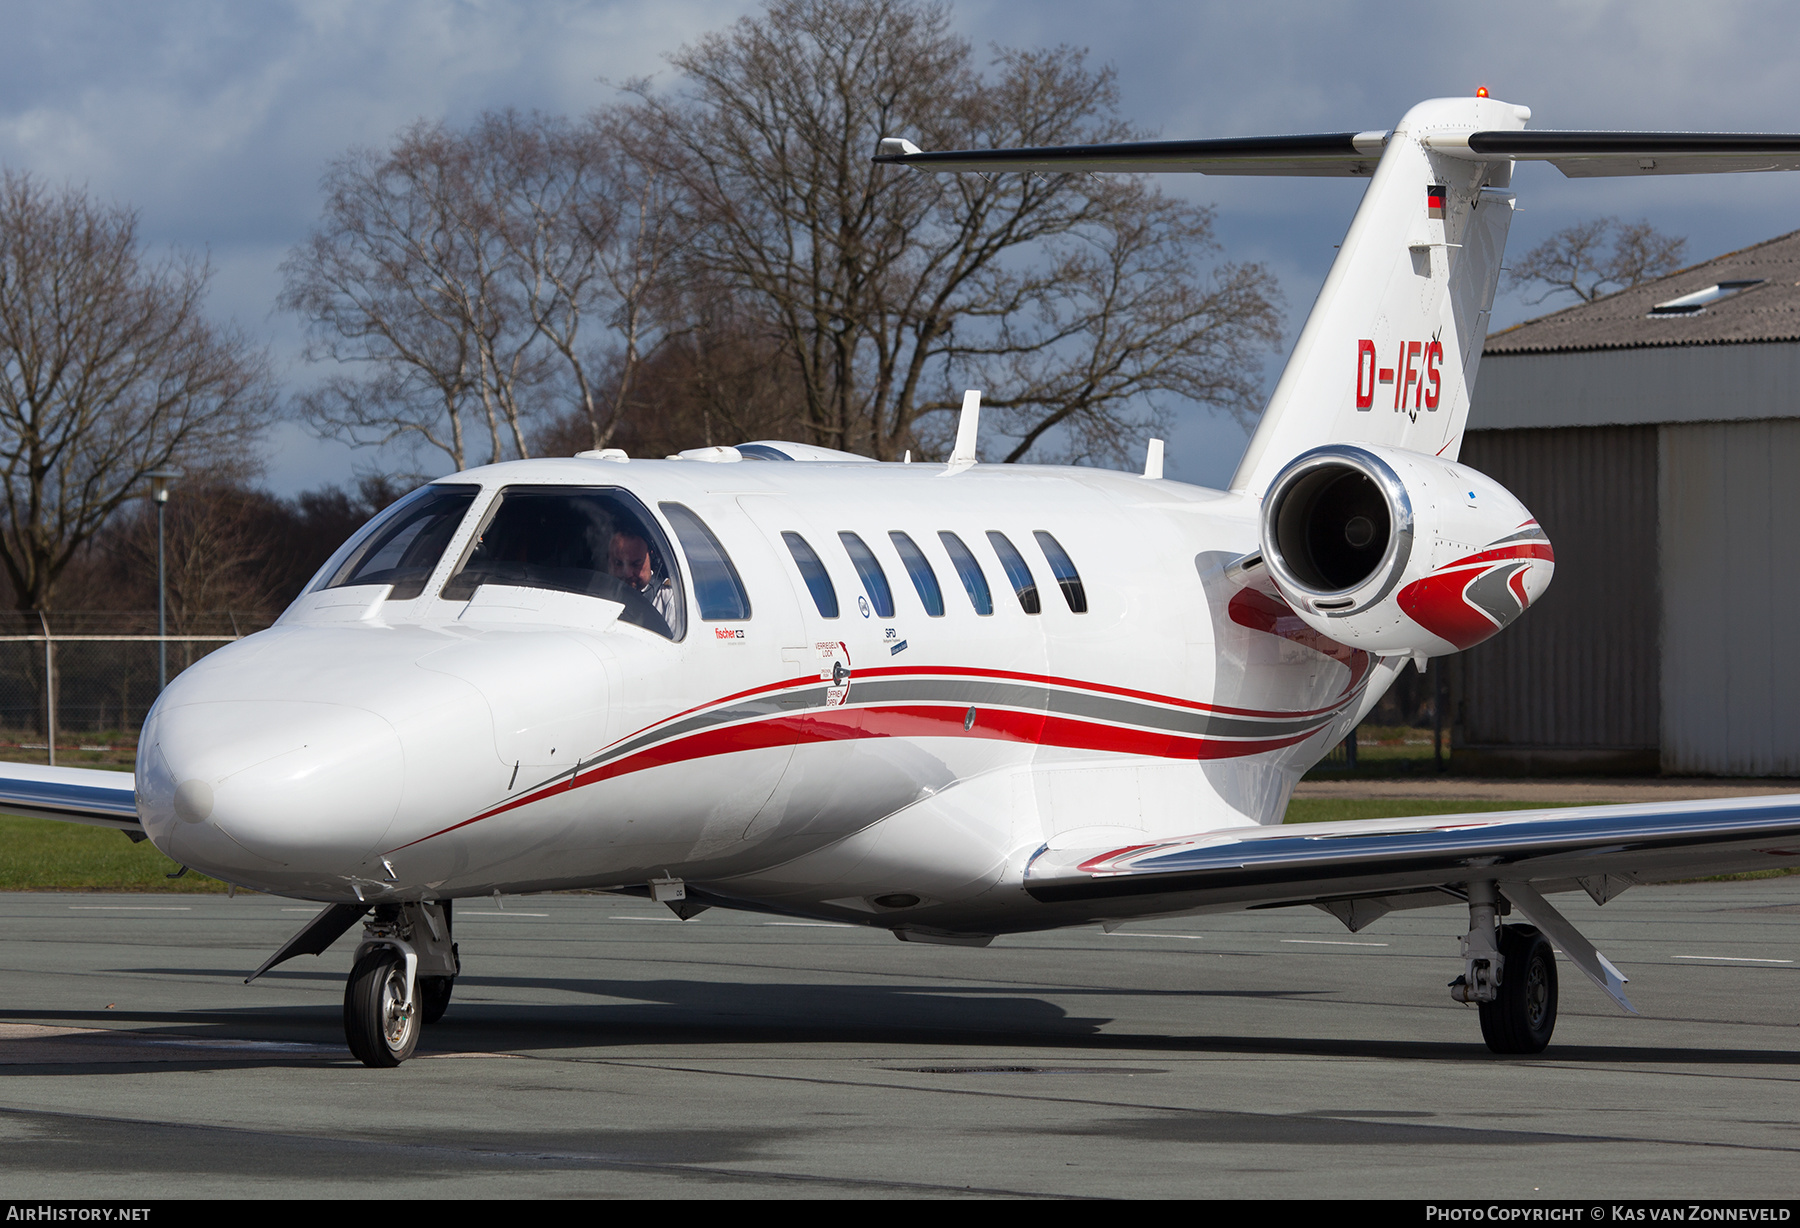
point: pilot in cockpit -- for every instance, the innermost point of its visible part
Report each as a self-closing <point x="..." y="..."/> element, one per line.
<point x="630" y="560"/>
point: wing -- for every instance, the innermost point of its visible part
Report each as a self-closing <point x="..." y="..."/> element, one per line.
<point x="1579" y="155"/>
<point x="74" y="795"/>
<point x="1360" y="870"/>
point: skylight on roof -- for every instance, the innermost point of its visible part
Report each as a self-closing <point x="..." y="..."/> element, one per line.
<point x="1695" y="303"/>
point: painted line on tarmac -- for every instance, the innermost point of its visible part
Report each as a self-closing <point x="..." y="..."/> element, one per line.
<point x="1735" y="959"/>
<point x="1333" y="942"/>
<point x="131" y="908"/>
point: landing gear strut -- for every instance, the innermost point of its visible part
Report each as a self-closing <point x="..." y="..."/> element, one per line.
<point x="1509" y="972"/>
<point x="404" y="971"/>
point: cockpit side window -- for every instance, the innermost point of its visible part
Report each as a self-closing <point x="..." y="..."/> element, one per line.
<point x="570" y="539"/>
<point x="1023" y="582"/>
<point x="717" y="589"/>
<point x="401" y="547"/>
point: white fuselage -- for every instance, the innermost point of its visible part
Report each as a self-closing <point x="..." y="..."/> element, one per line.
<point x="525" y="740"/>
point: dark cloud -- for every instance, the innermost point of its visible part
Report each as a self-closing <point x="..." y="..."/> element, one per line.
<point x="215" y="119"/>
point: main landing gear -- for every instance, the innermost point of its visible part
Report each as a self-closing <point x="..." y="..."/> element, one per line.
<point x="1509" y="973"/>
<point x="405" y="969"/>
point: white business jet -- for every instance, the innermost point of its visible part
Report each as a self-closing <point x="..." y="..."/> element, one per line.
<point x="948" y="700"/>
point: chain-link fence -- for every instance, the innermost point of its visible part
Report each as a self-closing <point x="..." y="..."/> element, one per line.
<point x="86" y="679"/>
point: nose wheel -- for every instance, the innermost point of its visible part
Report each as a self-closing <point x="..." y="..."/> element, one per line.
<point x="381" y="1024"/>
<point x="404" y="971"/>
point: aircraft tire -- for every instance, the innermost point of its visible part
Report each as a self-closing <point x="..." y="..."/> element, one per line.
<point x="381" y="1032"/>
<point x="1522" y="1018"/>
<point x="434" y="996"/>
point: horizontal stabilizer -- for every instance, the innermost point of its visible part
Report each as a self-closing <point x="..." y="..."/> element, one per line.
<point x="1583" y="155"/>
<point x="1324" y="153"/>
<point x="1579" y="155"/>
<point x="73" y="795"/>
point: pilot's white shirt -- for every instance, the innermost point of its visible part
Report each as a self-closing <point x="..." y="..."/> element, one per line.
<point x="662" y="596"/>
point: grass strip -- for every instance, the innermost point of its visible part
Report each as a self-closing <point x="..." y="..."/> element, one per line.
<point x="45" y="855"/>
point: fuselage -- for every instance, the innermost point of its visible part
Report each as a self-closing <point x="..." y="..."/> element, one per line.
<point x="893" y="748"/>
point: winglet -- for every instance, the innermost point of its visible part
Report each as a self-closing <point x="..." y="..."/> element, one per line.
<point x="896" y="147"/>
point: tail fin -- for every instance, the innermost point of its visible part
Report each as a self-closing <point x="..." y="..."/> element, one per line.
<point x="1389" y="353"/>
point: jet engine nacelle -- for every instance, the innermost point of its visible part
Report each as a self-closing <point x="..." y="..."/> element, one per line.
<point x="1398" y="552"/>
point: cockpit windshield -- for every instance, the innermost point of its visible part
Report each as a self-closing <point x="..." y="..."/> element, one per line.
<point x="402" y="546"/>
<point x="600" y="543"/>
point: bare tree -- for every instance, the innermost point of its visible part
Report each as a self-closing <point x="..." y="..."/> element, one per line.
<point x="496" y="274"/>
<point x="401" y="285"/>
<point x="108" y="371"/>
<point x="590" y="231"/>
<point x="1071" y="298"/>
<point x="1596" y="258"/>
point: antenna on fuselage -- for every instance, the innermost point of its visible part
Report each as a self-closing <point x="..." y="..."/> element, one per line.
<point x="1153" y="460"/>
<point x="967" y="427"/>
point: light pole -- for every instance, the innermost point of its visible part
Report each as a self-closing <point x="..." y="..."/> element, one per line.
<point x="160" y="481"/>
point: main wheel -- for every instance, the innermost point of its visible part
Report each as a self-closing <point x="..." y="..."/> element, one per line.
<point x="1522" y="1017"/>
<point x="380" y="1028"/>
<point x="434" y="996"/>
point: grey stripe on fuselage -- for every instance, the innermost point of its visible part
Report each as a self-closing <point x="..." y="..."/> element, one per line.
<point x="1085" y="704"/>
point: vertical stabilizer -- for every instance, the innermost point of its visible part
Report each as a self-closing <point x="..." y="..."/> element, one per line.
<point x="1389" y="353"/>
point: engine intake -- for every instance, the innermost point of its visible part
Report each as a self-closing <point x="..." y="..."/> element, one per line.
<point x="1397" y="552"/>
<point x="1335" y="523"/>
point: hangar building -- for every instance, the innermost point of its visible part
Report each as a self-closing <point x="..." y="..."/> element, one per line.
<point x="1655" y="434"/>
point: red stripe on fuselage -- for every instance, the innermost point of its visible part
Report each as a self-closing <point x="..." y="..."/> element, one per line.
<point x="896" y="721"/>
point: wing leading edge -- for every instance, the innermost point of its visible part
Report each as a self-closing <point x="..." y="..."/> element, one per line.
<point x="1358" y="871"/>
<point x="1323" y="861"/>
<point x="74" y="795"/>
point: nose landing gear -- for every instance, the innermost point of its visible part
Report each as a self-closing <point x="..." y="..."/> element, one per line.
<point x="381" y="1018"/>
<point x="404" y="971"/>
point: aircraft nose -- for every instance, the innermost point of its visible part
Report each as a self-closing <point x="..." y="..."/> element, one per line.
<point x="248" y="788"/>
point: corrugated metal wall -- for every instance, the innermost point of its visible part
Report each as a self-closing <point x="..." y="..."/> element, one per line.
<point x="1579" y="672"/>
<point x="1731" y="591"/>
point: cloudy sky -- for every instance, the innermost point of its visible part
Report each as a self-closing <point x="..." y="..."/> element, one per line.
<point x="215" y="119"/>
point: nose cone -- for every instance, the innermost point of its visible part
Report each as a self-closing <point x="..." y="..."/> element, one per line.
<point x="262" y="791"/>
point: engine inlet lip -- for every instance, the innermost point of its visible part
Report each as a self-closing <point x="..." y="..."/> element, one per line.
<point x="1386" y="575"/>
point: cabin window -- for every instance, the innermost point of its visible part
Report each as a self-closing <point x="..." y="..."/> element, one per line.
<point x="874" y="580"/>
<point x="717" y="589"/>
<point x="570" y="539"/>
<point x="974" y="581"/>
<point x="919" y="568"/>
<point x="402" y="546"/>
<point x="1016" y="571"/>
<point x="1063" y="568"/>
<point x="818" y="582"/>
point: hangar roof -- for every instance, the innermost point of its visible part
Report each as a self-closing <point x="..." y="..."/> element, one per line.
<point x="1731" y="315"/>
